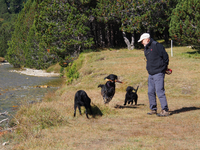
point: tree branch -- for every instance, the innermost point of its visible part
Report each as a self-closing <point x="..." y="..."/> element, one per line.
<point x="4" y="113"/>
<point x="4" y="120"/>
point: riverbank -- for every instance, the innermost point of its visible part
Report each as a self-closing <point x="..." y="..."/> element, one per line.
<point x="18" y="89"/>
<point x="35" y="72"/>
<point x="31" y="72"/>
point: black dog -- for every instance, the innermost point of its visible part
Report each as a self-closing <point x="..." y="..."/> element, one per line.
<point x="130" y="95"/>
<point x="81" y="99"/>
<point x="108" y="89"/>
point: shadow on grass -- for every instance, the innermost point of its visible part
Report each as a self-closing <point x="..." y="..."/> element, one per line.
<point x="197" y="52"/>
<point x="96" y="111"/>
<point x="184" y="109"/>
<point x="129" y="106"/>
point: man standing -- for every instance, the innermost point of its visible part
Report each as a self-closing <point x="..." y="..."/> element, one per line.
<point x="157" y="61"/>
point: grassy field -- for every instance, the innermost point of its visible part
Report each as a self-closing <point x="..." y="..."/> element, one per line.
<point x="50" y="125"/>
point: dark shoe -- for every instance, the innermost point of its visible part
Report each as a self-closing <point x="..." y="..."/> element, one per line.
<point x="152" y="112"/>
<point x="163" y="113"/>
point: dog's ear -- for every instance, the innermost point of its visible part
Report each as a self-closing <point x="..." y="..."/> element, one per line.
<point x="115" y="77"/>
<point x="108" y="77"/>
<point x="111" y="77"/>
<point x="129" y="88"/>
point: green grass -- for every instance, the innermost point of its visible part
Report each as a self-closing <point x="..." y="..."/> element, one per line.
<point x="54" y="68"/>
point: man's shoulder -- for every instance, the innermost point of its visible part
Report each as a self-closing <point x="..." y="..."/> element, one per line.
<point x="154" y="42"/>
<point x="157" y="44"/>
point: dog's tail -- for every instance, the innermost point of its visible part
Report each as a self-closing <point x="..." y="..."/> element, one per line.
<point x="136" y="89"/>
<point x="100" y="85"/>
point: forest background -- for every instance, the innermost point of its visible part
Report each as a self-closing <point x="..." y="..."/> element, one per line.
<point x="40" y="33"/>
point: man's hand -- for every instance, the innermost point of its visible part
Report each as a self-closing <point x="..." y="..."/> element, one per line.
<point x="168" y="71"/>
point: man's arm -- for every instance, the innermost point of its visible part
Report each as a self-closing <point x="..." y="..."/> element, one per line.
<point x="163" y="54"/>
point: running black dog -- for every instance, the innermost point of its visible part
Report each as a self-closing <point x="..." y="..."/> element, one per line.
<point x="81" y="99"/>
<point x="130" y="95"/>
<point x="108" y="89"/>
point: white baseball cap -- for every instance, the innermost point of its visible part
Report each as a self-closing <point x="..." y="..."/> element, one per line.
<point x="144" y="36"/>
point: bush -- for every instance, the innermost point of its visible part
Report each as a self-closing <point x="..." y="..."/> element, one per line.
<point x="72" y="73"/>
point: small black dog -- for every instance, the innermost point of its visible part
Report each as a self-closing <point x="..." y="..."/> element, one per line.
<point x="130" y="95"/>
<point x="108" y="89"/>
<point x="81" y="99"/>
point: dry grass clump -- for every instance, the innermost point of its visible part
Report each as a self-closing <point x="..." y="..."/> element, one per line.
<point x="54" y="68"/>
<point x="32" y="119"/>
<point x="2" y="59"/>
<point x="112" y="126"/>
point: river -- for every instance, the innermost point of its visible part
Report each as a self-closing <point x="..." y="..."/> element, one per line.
<point x="17" y="89"/>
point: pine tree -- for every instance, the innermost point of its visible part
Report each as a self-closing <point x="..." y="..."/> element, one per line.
<point x="5" y="31"/>
<point x="145" y="15"/>
<point x="8" y="13"/>
<point x="136" y="16"/>
<point x="35" y="55"/>
<point x="185" y="22"/>
<point x="17" y="44"/>
<point x="3" y="8"/>
<point x="62" y="28"/>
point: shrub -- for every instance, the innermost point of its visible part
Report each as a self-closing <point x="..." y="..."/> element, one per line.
<point x="72" y="73"/>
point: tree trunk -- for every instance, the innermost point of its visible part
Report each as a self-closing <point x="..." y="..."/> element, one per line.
<point x="92" y="32"/>
<point x="166" y="34"/>
<point x="126" y="40"/>
<point x="96" y="34"/>
<point x="133" y="41"/>
<point x="114" y="34"/>
<point x="111" y="35"/>
<point x="103" y="39"/>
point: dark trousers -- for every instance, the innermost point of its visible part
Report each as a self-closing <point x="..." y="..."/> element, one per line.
<point x="156" y="86"/>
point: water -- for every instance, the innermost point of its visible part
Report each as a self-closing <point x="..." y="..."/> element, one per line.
<point x="16" y="88"/>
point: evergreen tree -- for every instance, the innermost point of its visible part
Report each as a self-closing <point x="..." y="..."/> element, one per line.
<point x="185" y="22"/>
<point x="3" y="27"/>
<point x="48" y="32"/>
<point x="5" y="31"/>
<point x="3" y="8"/>
<point x="62" y="28"/>
<point x="35" y="55"/>
<point x="15" y="6"/>
<point x="147" y="16"/>
<point x="8" y="11"/>
<point x="136" y="16"/>
<point x="17" y="44"/>
<point x="107" y="22"/>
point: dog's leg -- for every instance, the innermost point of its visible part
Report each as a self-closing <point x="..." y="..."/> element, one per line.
<point x="125" y="102"/>
<point x="90" y="110"/>
<point x="132" y="102"/>
<point x="79" y="108"/>
<point x="136" y="101"/>
<point x="75" y="110"/>
<point x="86" y="112"/>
